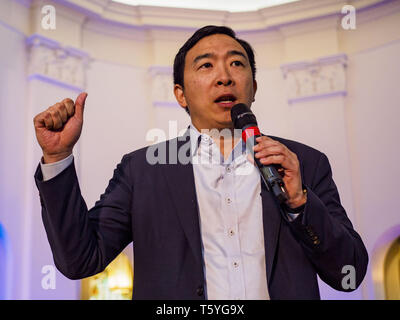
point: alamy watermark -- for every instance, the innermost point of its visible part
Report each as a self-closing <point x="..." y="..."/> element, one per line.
<point x="349" y="280"/>
<point x="49" y="19"/>
<point x="349" y="20"/>
<point x="49" y="278"/>
<point x="188" y="151"/>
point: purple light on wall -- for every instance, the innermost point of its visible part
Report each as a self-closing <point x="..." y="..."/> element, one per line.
<point x="54" y="81"/>
<point x="4" y="265"/>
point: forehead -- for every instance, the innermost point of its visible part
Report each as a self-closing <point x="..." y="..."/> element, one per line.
<point x="217" y="44"/>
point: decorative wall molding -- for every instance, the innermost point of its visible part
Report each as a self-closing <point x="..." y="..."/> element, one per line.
<point x="121" y="18"/>
<point x="262" y="19"/>
<point x="162" y="86"/>
<point x="48" y="60"/>
<point x="316" y="79"/>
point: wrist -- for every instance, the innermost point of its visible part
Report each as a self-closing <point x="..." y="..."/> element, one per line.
<point x="51" y="158"/>
<point x="299" y="201"/>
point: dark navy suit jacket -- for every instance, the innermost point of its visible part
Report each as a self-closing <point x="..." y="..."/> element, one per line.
<point x="155" y="206"/>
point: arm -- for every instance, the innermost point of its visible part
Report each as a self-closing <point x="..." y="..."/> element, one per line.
<point x="323" y="229"/>
<point x="51" y="170"/>
<point x="84" y="242"/>
<point x="326" y="233"/>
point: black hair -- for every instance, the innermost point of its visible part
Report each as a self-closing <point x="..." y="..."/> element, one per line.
<point x="179" y="62"/>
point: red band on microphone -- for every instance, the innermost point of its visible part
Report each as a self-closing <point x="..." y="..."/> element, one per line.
<point x="250" y="132"/>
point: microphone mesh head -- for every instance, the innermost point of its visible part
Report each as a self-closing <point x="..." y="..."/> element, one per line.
<point x="242" y="116"/>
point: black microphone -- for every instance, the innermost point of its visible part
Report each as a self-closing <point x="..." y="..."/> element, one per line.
<point x="244" y="119"/>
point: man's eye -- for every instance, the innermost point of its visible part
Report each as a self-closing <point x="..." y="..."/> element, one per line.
<point x="206" y="65"/>
<point x="237" y="63"/>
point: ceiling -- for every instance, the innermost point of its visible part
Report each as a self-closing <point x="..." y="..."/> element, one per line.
<point x="231" y="5"/>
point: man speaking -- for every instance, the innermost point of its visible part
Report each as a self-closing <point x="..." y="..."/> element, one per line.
<point x="201" y="229"/>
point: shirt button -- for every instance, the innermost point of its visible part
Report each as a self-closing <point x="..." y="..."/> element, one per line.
<point x="228" y="169"/>
<point x="228" y="200"/>
<point x="231" y="233"/>
<point x="235" y="264"/>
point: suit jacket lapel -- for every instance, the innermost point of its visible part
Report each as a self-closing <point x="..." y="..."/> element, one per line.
<point x="272" y="223"/>
<point x="180" y="180"/>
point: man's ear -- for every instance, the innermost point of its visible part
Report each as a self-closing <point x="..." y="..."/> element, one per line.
<point x="180" y="97"/>
<point x="254" y="89"/>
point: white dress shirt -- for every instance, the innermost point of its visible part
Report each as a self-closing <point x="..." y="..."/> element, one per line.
<point x="229" y="198"/>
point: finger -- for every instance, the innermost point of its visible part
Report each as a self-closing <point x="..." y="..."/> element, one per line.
<point x="272" y="150"/>
<point x="70" y="106"/>
<point x="282" y="160"/>
<point x="48" y="120"/>
<point x="80" y="105"/>
<point x="264" y="138"/>
<point x="62" y="110"/>
<point x="57" y="121"/>
<point x="38" y="120"/>
<point x="266" y="143"/>
<point x="273" y="159"/>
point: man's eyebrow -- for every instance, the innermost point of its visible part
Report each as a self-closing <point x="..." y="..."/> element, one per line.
<point x="236" y="53"/>
<point x="203" y="56"/>
<point x="212" y="55"/>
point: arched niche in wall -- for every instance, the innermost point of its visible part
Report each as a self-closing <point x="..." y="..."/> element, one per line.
<point x="392" y="271"/>
<point x="385" y="263"/>
<point x="114" y="283"/>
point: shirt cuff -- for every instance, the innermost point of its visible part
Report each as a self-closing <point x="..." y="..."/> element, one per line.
<point x="50" y="170"/>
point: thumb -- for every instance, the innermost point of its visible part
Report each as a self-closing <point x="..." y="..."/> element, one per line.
<point x="80" y="105"/>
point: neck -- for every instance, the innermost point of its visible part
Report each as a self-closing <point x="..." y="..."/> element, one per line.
<point x="225" y="138"/>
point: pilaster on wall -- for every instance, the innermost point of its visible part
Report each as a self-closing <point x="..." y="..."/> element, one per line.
<point x="54" y="72"/>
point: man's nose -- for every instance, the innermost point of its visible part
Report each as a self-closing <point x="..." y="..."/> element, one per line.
<point x="226" y="82"/>
<point x="224" y="78"/>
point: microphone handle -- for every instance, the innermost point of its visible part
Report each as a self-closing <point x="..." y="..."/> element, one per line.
<point x="269" y="174"/>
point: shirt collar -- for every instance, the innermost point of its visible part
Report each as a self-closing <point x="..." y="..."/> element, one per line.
<point x="196" y="137"/>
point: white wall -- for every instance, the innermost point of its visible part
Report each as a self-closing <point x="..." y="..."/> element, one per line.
<point x="373" y="122"/>
<point x="13" y="149"/>
<point x="36" y="247"/>
<point x="115" y="122"/>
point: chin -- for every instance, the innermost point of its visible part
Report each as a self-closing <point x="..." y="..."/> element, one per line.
<point x="225" y="124"/>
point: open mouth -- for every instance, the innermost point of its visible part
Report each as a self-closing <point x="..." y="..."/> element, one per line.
<point x="226" y="100"/>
